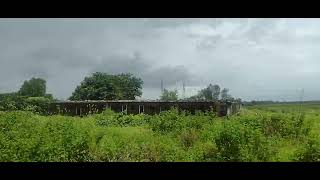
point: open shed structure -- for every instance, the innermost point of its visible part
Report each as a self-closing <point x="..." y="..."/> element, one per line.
<point x="148" y="107"/>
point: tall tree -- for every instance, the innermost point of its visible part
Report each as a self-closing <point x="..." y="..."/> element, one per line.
<point x="206" y="93"/>
<point x="35" y="87"/>
<point x="168" y="95"/>
<point x="225" y="95"/>
<point x="209" y="93"/>
<point x="103" y="86"/>
<point x="215" y="92"/>
<point x="129" y="86"/>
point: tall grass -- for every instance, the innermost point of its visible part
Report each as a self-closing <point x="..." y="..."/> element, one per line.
<point x="256" y="134"/>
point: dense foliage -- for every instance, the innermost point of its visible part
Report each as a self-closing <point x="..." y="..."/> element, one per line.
<point x="31" y="97"/>
<point x="13" y="101"/>
<point x="260" y="133"/>
<point x="35" y="87"/>
<point x="225" y="94"/>
<point x="212" y="93"/>
<point x="102" y="86"/>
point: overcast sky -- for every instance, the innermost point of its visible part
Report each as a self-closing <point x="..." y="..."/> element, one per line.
<point x="262" y="59"/>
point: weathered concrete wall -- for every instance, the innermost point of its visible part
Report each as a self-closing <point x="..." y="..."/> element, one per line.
<point x="134" y="107"/>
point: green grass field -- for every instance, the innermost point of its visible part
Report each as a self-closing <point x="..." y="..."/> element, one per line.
<point x="264" y="133"/>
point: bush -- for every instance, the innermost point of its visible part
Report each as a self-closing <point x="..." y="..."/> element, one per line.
<point x="310" y="152"/>
<point x="26" y="137"/>
<point x="110" y="118"/>
<point x="168" y="121"/>
<point x="204" y="152"/>
<point x="253" y="135"/>
<point x="39" y="104"/>
<point x="188" y="138"/>
<point x="13" y="102"/>
<point x="238" y="142"/>
<point x="228" y="142"/>
<point x="283" y="125"/>
<point x="134" y="144"/>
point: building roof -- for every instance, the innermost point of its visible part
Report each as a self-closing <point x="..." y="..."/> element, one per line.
<point x="128" y="101"/>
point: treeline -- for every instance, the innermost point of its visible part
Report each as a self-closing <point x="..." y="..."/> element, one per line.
<point x="210" y="93"/>
<point x="252" y="103"/>
<point x="32" y="95"/>
<point x="103" y="86"/>
<point x="98" y="86"/>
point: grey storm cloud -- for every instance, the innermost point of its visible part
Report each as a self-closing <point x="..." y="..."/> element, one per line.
<point x="138" y="66"/>
<point x="68" y="57"/>
<point x="254" y="58"/>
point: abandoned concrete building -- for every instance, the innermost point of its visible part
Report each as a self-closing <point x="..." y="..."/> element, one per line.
<point x="148" y="107"/>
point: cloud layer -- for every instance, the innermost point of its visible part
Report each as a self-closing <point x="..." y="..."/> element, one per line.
<point x="254" y="58"/>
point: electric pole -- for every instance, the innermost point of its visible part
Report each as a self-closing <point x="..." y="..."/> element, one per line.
<point x="301" y="101"/>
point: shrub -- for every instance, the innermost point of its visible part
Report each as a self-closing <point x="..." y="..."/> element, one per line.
<point x="39" y="104"/>
<point x="310" y="152"/>
<point x="12" y="102"/>
<point x="168" y="121"/>
<point x="188" y="138"/>
<point x="228" y="142"/>
<point x="238" y="142"/>
<point x="254" y="135"/>
<point x="285" y="125"/>
<point x="135" y="144"/>
<point x="110" y="118"/>
<point x="26" y="137"/>
<point x="204" y="152"/>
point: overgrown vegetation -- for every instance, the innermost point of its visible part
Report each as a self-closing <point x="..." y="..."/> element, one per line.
<point x="13" y="102"/>
<point x="258" y="134"/>
<point x="31" y="97"/>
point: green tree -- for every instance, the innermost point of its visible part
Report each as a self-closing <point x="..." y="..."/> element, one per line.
<point x="225" y="96"/>
<point x="205" y="94"/>
<point x="210" y="93"/>
<point x="35" y="87"/>
<point x="129" y="86"/>
<point x="168" y="95"/>
<point x="103" y="86"/>
<point x="215" y="92"/>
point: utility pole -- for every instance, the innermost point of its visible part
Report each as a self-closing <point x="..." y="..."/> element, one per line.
<point x="184" y="89"/>
<point x="300" y="104"/>
<point x="161" y="86"/>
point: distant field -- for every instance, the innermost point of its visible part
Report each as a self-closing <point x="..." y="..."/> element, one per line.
<point x="309" y="109"/>
<point x="275" y="132"/>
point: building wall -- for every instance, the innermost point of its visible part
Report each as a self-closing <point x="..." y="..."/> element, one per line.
<point x="84" y="108"/>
